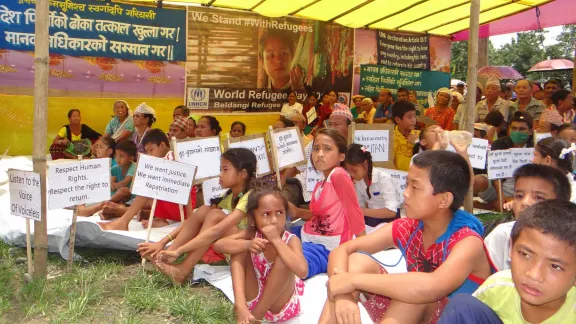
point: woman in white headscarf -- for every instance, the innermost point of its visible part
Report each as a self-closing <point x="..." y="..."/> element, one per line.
<point x="441" y="112"/>
<point x="121" y="126"/>
<point x="143" y="118"/>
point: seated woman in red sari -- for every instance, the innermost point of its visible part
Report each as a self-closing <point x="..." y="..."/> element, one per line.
<point x="73" y="139"/>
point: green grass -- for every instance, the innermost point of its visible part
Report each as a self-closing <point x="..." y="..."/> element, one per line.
<point x="108" y="287"/>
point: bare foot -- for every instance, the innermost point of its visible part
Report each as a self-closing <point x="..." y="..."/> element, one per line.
<point x="157" y="222"/>
<point x="173" y="271"/>
<point x="89" y="211"/>
<point x="116" y="225"/>
<point x="112" y="210"/>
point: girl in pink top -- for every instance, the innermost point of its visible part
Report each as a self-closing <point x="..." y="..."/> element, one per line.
<point x="335" y="216"/>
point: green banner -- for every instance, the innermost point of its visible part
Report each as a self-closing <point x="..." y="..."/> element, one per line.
<point x="373" y="78"/>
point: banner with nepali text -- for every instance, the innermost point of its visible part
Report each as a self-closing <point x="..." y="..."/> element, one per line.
<point x="102" y="29"/>
<point x="373" y="78"/>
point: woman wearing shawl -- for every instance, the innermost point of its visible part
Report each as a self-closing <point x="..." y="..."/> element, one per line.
<point x="121" y="126"/>
<point x="441" y="112"/>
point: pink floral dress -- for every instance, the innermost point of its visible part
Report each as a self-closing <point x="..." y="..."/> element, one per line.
<point x="262" y="268"/>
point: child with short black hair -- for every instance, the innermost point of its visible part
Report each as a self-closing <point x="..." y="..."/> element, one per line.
<point x="121" y="176"/>
<point x="533" y="183"/>
<point x="405" y="137"/>
<point x="267" y="263"/>
<point x="156" y="144"/>
<point x="539" y="287"/>
<point x="442" y="246"/>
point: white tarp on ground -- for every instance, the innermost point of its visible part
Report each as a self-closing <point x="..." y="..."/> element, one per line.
<point x="314" y="292"/>
<point x="88" y="233"/>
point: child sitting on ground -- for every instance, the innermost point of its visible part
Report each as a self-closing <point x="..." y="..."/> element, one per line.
<point x="539" y="287"/>
<point x="157" y="145"/>
<point x="197" y="234"/>
<point x="375" y="189"/>
<point x="105" y="147"/>
<point x="442" y="245"/>
<point x="533" y="183"/>
<point x="267" y="262"/>
<point x="121" y="176"/>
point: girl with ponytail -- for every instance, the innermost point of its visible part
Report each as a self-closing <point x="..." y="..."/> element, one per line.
<point x="559" y="154"/>
<point x="377" y="194"/>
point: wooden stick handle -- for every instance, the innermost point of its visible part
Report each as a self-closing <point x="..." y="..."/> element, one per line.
<point x="72" y="239"/>
<point x="181" y="208"/>
<point x="29" y="247"/>
<point x="150" y="221"/>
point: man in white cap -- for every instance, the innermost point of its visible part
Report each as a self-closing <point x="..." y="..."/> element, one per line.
<point x="144" y="116"/>
<point x="492" y="102"/>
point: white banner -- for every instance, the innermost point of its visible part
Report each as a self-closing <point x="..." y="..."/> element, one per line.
<point x="476" y="152"/>
<point x="25" y="198"/>
<point x="288" y="148"/>
<point x="376" y="142"/>
<point x="72" y="182"/>
<point x="163" y="179"/>
<point x="503" y="163"/>
<point x="258" y="147"/>
<point x="204" y="153"/>
<point x="211" y="189"/>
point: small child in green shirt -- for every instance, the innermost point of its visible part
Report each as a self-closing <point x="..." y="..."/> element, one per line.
<point x="540" y="286"/>
<point x="121" y="176"/>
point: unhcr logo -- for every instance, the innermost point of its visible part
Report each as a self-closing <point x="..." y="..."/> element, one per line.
<point x="198" y="98"/>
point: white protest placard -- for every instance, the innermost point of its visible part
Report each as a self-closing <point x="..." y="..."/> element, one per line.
<point x="521" y="156"/>
<point x="375" y="141"/>
<point x="499" y="164"/>
<point x="257" y="144"/>
<point x="503" y="163"/>
<point x="24" y="189"/>
<point x="204" y="153"/>
<point x="400" y="182"/>
<point x="211" y="189"/>
<point x="312" y="176"/>
<point x="163" y="179"/>
<point x="477" y="152"/>
<point x="289" y="151"/>
<point x="71" y="182"/>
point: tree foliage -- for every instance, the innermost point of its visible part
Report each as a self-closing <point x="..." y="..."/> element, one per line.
<point x="521" y="53"/>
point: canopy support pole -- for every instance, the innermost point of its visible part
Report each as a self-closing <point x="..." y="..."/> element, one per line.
<point x="40" y="133"/>
<point x="472" y="79"/>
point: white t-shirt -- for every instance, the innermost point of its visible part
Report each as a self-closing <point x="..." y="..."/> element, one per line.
<point x="382" y="191"/>
<point x="498" y="245"/>
<point x="287" y="110"/>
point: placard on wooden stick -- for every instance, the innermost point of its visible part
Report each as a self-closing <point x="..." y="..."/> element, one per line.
<point x="24" y="187"/>
<point x="163" y="179"/>
<point x="204" y="153"/>
<point x="257" y="144"/>
<point x="377" y="139"/>
<point x="287" y="147"/>
<point x="71" y="182"/>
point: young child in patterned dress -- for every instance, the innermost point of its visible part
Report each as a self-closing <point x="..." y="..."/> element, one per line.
<point x="442" y="246"/>
<point x="267" y="261"/>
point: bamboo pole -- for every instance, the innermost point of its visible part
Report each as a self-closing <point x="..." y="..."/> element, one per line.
<point x="472" y="79"/>
<point x="72" y="240"/>
<point x="40" y="132"/>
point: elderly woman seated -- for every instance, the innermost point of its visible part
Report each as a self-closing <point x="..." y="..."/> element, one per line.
<point x="73" y="139"/>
